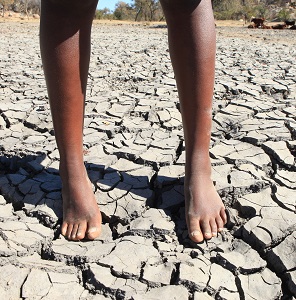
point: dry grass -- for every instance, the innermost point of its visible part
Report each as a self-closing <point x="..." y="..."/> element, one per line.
<point x="17" y="17"/>
<point x="229" y="23"/>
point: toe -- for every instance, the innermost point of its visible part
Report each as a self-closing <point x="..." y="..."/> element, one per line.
<point x="220" y="223"/>
<point x="94" y="227"/>
<point x="81" y="231"/>
<point x="69" y="231"/>
<point x="64" y="228"/>
<point x="93" y="232"/>
<point x="223" y="216"/>
<point x="195" y="233"/>
<point x="213" y="228"/>
<point x="206" y="229"/>
<point x="74" y="232"/>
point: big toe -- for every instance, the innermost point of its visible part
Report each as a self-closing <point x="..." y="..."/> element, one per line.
<point x="93" y="232"/>
<point x="94" y="228"/>
<point x="195" y="233"/>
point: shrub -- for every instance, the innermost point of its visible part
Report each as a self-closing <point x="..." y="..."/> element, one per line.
<point x="104" y="14"/>
<point x="284" y="14"/>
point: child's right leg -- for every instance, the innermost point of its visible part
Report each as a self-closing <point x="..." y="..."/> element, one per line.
<point x="65" y="28"/>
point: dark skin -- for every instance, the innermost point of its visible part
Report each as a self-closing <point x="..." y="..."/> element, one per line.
<point x="65" y="47"/>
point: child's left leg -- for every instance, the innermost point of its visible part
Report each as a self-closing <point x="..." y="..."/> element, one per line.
<point x="191" y="32"/>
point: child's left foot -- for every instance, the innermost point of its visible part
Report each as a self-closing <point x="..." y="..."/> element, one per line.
<point x="205" y="212"/>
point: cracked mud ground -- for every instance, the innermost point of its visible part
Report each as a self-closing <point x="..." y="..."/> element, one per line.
<point x="134" y="153"/>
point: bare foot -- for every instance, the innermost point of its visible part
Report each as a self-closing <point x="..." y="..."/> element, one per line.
<point x="81" y="214"/>
<point x="205" y="212"/>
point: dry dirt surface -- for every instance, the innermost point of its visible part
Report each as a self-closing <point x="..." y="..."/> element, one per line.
<point x="134" y="153"/>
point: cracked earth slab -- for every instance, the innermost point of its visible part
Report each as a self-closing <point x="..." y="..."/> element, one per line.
<point x="135" y="157"/>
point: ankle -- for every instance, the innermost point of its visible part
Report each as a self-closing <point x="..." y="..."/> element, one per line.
<point x="75" y="168"/>
<point x="198" y="165"/>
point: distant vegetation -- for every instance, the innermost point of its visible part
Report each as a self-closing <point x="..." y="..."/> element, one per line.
<point x="150" y="10"/>
<point x="139" y="10"/>
<point x="272" y="10"/>
<point x="27" y="7"/>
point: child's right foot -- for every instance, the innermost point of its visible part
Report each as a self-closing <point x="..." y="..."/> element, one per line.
<point x="81" y="214"/>
<point x="205" y="212"/>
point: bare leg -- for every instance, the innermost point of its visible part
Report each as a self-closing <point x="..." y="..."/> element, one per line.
<point x="191" y="31"/>
<point x="65" y="47"/>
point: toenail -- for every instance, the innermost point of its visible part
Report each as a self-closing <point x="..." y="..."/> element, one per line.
<point x="195" y="232"/>
<point x="91" y="230"/>
<point x="220" y="229"/>
<point x="208" y="233"/>
<point x="214" y="233"/>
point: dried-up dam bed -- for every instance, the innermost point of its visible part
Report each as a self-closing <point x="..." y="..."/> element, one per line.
<point x="134" y="154"/>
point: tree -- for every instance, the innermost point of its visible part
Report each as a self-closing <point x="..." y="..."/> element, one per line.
<point x="33" y="6"/>
<point x="104" y="13"/>
<point x="123" y="11"/>
<point x="148" y="10"/>
<point x="237" y="9"/>
<point x="5" y="5"/>
<point x="27" y="6"/>
<point x="284" y="14"/>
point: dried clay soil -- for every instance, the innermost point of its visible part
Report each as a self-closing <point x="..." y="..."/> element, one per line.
<point x="134" y="154"/>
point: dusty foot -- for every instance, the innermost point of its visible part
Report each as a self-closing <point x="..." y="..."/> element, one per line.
<point x="205" y="212"/>
<point x="81" y="214"/>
